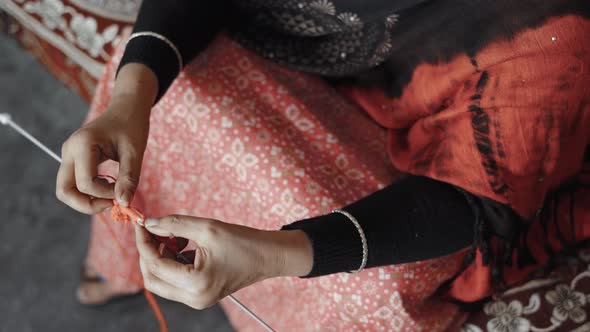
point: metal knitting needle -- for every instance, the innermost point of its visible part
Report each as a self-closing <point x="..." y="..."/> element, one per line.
<point x="5" y="119"/>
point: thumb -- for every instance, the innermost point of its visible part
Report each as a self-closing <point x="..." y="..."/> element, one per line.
<point x="128" y="179"/>
<point x="174" y="225"/>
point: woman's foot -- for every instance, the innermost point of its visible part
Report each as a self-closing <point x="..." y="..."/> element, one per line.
<point x="93" y="289"/>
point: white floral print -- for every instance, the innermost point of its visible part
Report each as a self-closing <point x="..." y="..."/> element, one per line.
<point x="82" y="30"/>
<point x="324" y="6"/>
<point x="568" y="303"/>
<point x="565" y="302"/>
<point x="86" y="36"/>
<point x="240" y="158"/>
<point x="507" y="317"/>
<point x="351" y="19"/>
<point x="51" y="12"/>
<point x="391" y="20"/>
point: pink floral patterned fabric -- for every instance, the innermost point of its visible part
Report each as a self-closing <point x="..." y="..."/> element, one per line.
<point x="243" y="140"/>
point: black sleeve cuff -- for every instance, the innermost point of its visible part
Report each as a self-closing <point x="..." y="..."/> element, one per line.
<point x="336" y="243"/>
<point x="156" y="55"/>
<point x="190" y="25"/>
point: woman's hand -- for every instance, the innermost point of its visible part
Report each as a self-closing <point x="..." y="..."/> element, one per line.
<point x="228" y="257"/>
<point x="119" y="134"/>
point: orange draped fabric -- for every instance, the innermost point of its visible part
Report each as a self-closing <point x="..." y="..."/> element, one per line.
<point x="510" y="123"/>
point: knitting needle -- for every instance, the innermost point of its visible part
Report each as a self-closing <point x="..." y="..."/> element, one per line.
<point x="5" y="119"/>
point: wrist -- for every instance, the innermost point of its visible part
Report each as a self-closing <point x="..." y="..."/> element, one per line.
<point x="138" y="82"/>
<point x="290" y="254"/>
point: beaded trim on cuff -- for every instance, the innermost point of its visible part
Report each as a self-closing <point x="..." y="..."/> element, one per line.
<point x="162" y="38"/>
<point x="363" y="238"/>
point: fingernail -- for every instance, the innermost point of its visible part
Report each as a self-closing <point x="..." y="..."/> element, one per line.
<point x="151" y="222"/>
<point x="124" y="199"/>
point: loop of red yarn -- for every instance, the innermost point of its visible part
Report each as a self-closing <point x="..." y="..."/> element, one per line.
<point x="126" y="214"/>
<point x="131" y="215"/>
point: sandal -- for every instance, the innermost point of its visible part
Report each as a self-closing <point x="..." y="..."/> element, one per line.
<point x="94" y="290"/>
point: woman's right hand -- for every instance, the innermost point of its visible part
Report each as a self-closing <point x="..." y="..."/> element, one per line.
<point x="119" y="134"/>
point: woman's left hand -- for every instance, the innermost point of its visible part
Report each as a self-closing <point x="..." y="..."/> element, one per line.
<point x="228" y="258"/>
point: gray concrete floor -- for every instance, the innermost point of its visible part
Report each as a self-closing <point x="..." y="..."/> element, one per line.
<point x="42" y="242"/>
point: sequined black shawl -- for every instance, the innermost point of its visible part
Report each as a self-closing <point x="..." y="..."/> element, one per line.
<point x="327" y="37"/>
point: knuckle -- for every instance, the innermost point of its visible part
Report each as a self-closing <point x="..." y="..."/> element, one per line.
<point x="148" y="283"/>
<point x="175" y="220"/>
<point x="147" y="278"/>
<point x="194" y="303"/>
<point x="81" y="137"/>
<point x="153" y="268"/>
<point x="60" y="193"/>
<point x="85" y="186"/>
<point x="200" y="302"/>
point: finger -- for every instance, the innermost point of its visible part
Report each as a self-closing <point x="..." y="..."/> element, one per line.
<point x="86" y="168"/>
<point x="170" y="271"/>
<point x="161" y="288"/>
<point x="67" y="192"/>
<point x="145" y="242"/>
<point x="169" y="291"/>
<point x="164" y="268"/>
<point x="178" y="226"/>
<point x="129" y="170"/>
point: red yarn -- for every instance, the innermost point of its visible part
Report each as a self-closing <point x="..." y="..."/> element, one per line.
<point x="126" y="215"/>
<point x="131" y="215"/>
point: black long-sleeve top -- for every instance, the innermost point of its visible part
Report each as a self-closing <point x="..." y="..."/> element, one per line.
<point x="413" y="219"/>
